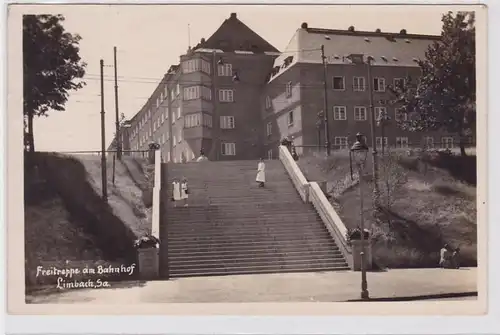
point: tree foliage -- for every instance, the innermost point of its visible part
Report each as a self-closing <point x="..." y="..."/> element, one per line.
<point x="52" y="67"/>
<point x="444" y="97"/>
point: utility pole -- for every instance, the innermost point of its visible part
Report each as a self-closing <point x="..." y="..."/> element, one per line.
<point x="118" y="137"/>
<point x="103" y="141"/>
<point x="376" y="193"/>
<point x="325" y="87"/>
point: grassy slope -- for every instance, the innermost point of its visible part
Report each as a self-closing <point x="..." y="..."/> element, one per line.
<point x="56" y="235"/>
<point x="431" y="207"/>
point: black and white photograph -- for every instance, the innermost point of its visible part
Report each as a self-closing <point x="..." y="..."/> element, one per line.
<point x="206" y="154"/>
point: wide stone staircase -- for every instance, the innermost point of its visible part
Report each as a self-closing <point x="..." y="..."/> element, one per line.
<point x="232" y="226"/>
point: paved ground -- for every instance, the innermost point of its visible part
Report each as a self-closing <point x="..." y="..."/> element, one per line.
<point x="290" y="287"/>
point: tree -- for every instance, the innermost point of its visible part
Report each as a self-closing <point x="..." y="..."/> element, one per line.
<point x="444" y="97"/>
<point x="51" y="63"/>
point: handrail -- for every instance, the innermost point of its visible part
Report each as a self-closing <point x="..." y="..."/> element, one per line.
<point x="298" y="179"/>
<point x="331" y="219"/>
<point x="311" y="192"/>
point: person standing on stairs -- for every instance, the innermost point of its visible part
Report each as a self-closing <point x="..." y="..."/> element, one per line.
<point x="184" y="191"/>
<point x="261" y="173"/>
<point x="176" y="191"/>
<point x="202" y="157"/>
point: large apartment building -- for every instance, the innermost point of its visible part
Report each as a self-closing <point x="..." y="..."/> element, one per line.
<point x="235" y="96"/>
<point x="210" y="100"/>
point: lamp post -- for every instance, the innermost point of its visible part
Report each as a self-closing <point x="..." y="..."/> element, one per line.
<point x="358" y="153"/>
<point x="325" y="99"/>
<point x="319" y="123"/>
<point x="376" y="193"/>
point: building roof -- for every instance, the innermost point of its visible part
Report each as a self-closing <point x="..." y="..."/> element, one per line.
<point x="387" y="49"/>
<point x="233" y="35"/>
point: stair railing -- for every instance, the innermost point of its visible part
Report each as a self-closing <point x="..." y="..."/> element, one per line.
<point x="310" y="192"/>
<point x="298" y="179"/>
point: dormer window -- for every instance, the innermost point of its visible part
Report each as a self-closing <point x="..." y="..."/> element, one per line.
<point x="384" y="58"/>
<point x="356" y="58"/>
<point x="395" y="59"/>
<point x="407" y="40"/>
<point x="367" y="39"/>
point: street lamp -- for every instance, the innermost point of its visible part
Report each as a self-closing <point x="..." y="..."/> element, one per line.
<point x="358" y="154"/>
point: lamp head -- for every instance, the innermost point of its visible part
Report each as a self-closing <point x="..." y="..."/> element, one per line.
<point x="359" y="149"/>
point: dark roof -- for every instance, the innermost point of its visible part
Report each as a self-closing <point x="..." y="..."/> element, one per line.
<point x="234" y="35"/>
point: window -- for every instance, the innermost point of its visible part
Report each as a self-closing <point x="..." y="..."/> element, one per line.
<point x="270" y="154"/>
<point x="191" y="93"/>
<point x="379" y="84"/>
<point x="227" y="122"/>
<point x="378" y="141"/>
<point x="178" y="112"/>
<point x="429" y="142"/>
<point x="400" y="114"/>
<point x="154" y="126"/>
<point x="269" y="129"/>
<point x="225" y="70"/>
<point x="380" y="113"/>
<point x="268" y="102"/>
<point x="338" y="83"/>
<point x="150" y="132"/>
<point x="226" y="95"/>
<point x="168" y="156"/>
<point x="179" y="135"/>
<point x="447" y="142"/>
<point x="192" y="120"/>
<point x="341" y="142"/>
<point x="401" y="142"/>
<point x="177" y="90"/>
<point x="358" y="84"/>
<point x="163" y="138"/>
<point x="157" y="102"/>
<point x="359" y="113"/>
<point x="207" y="120"/>
<point x="192" y="65"/>
<point x="172" y="94"/>
<point x="289" y="118"/>
<point x="399" y="82"/>
<point x="339" y="113"/>
<point x="167" y="111"/>
<point x="228" y="149"/>
<point x="289" y="89"/>
<point x="205" y="66"/>
<point x="162" y="119"/>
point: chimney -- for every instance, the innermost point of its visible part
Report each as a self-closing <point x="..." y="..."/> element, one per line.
<point x="233" y="16"/>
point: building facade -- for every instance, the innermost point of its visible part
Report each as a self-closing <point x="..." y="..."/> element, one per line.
<point x="234" y="96"/>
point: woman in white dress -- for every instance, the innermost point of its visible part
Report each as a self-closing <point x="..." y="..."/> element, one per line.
<point x="176" y="191"/>
<point x="184" y="191"/>
<point x="261" y="173"/>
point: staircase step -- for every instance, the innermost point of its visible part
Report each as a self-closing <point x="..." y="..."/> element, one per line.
<point x="202" y="257"/>
<point x="255" y="270"/>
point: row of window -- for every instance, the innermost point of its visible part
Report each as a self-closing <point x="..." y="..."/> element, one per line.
<point x="360" y="113"/>
<point x="341" y="142"/>
<point x="359" y="83"/>
<point x="198" y="119"/>
<point x="338" y="84"/>
<point x="197" y="92"/>
<point x="196" y="65"/>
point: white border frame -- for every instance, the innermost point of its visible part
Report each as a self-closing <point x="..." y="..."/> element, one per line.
<point x="296" y="324"/>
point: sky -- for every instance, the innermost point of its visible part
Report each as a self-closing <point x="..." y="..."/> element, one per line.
<point x="150" y="38"/>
